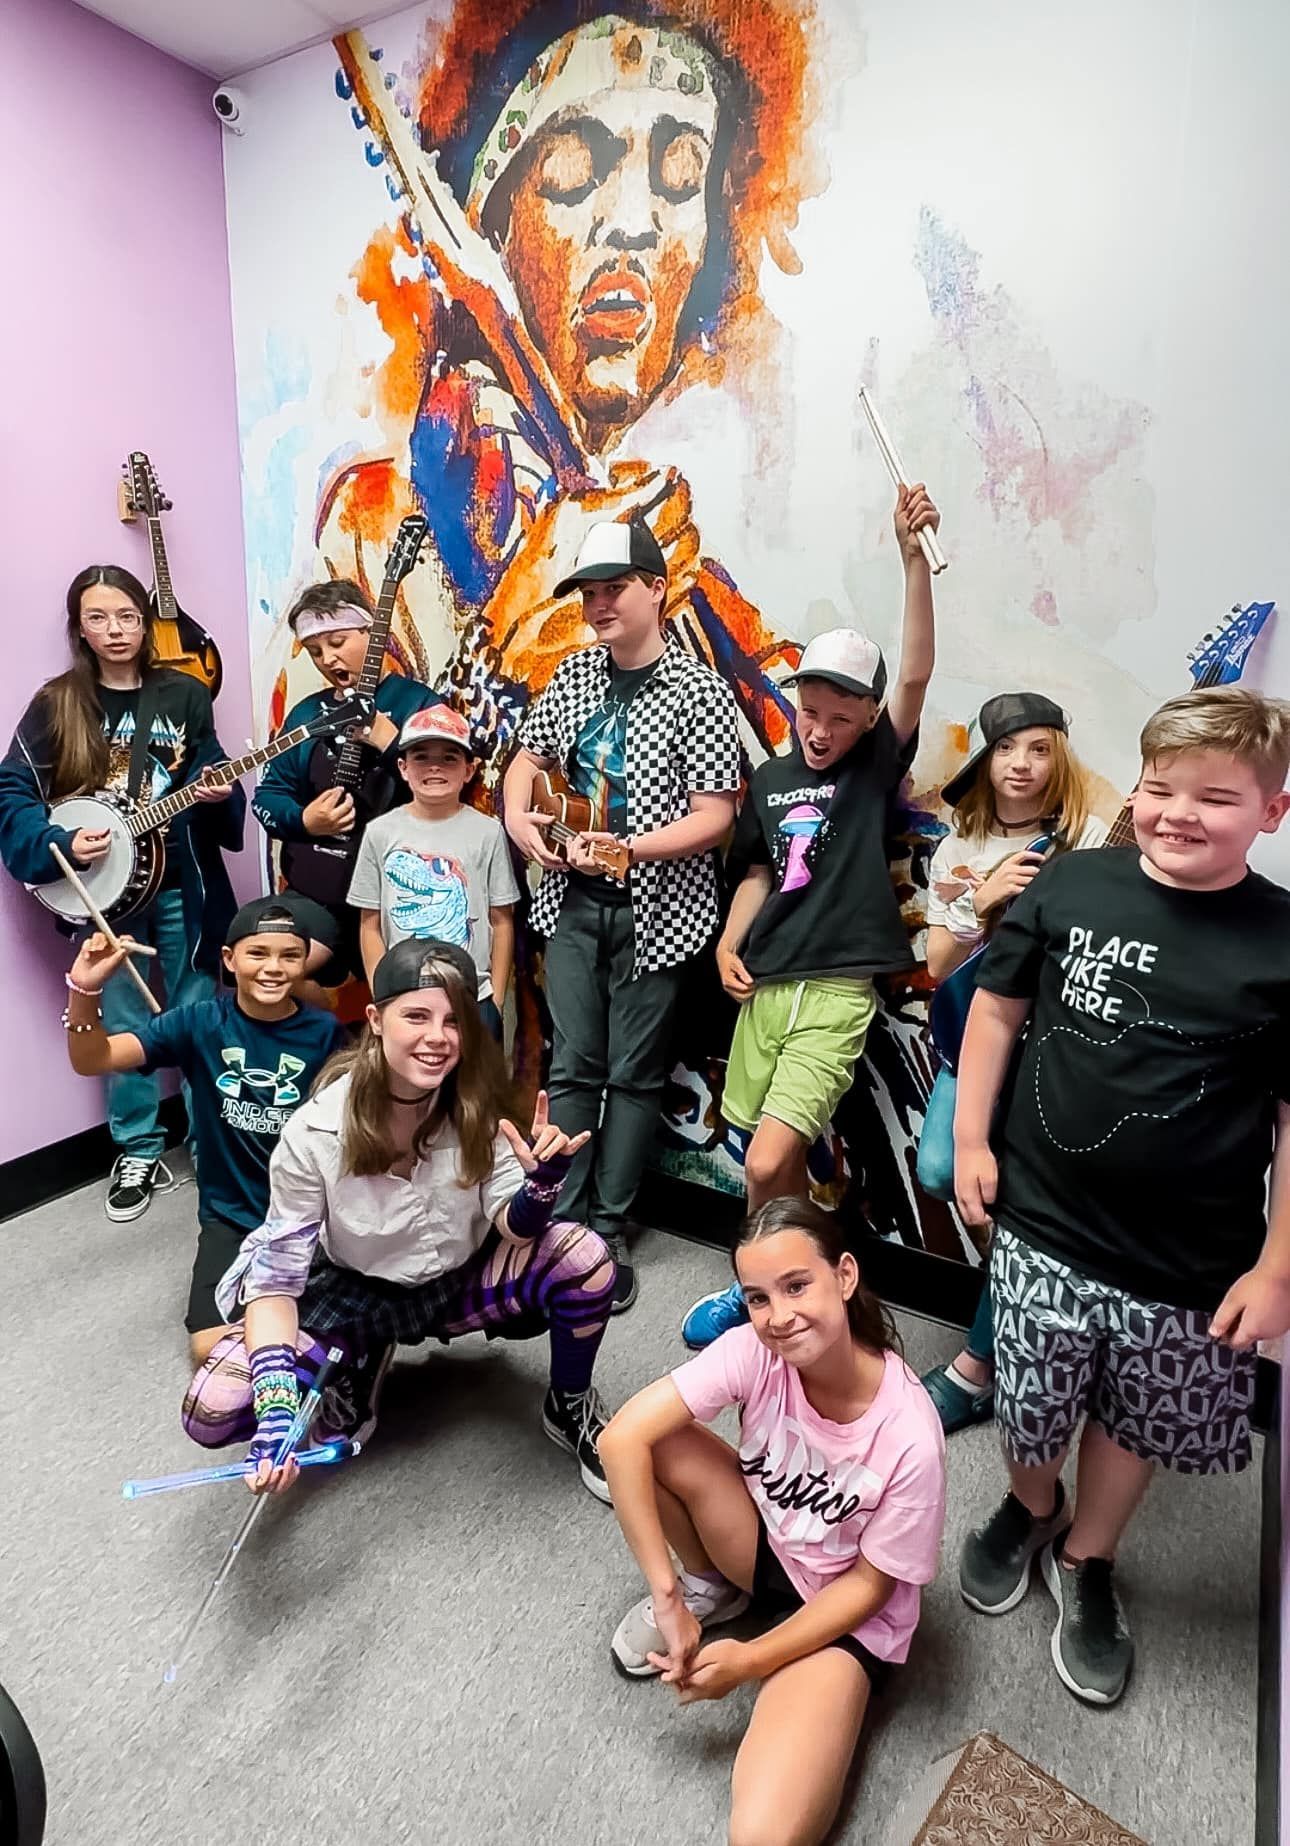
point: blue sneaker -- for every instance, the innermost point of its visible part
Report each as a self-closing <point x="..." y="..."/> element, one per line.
<point x="713" y="1315"/>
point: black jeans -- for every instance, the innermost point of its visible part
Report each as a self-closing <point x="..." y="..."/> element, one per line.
<point x="609" y="1054"/>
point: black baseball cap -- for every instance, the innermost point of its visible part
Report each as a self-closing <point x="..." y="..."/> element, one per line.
<point x="611" y="548"/>
<point x="265" y="916"/>
<point x="1000" y="717"/>
<point x="419" y="962"/>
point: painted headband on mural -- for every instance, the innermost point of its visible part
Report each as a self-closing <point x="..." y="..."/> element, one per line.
<point x="606" y="55"/>
<point x="313" y="622"/>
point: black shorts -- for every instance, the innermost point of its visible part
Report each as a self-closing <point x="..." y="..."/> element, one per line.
<point x="217" y="1246"/>
<point x="774" y="1596"/>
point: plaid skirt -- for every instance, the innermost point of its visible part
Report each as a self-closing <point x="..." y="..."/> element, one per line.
<point x="368" y="1312"/>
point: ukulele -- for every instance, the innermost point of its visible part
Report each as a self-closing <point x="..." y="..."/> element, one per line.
<point x="177" y="640"/>
<point x="320" y="867"/>
<point x="569" y="814"/>
<point x="1217" y="660"/>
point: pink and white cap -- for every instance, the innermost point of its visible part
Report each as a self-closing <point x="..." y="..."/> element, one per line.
<point x="436" y="724"/>
<point x="312" y="622"/>
<point x="847" y="659"/>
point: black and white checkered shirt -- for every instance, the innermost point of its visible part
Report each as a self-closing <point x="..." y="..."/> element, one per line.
<point x="682" y="740"/>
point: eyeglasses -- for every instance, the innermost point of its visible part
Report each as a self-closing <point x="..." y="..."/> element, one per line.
<point x="98" y="619"/>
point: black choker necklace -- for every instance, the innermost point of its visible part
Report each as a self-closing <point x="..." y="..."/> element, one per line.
<point x="1021" y="826"/>
<point x="408" y="1102"/>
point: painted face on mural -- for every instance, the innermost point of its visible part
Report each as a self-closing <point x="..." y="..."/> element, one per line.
<point x="608" y="229"/>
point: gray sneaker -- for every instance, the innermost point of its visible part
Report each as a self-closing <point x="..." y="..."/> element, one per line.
<point x="994" y="1568"/>
<point x="636" y="1637"/>
<point x="1092" y="1646"/>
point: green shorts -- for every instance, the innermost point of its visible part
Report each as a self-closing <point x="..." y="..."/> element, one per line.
<point x="795" y="1051"/>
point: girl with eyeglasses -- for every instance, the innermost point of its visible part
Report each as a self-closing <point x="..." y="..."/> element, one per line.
<point x="77" y="735"/>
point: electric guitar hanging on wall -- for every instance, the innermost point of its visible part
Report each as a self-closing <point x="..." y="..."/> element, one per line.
<point x="1217" y="660"/>
<point x="320" y="868"/>
<point x="177" y="640"/>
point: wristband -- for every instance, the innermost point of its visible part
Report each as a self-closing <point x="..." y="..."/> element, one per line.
<point x="69" y="1025"/>
<point x="531" y="1209"/>
<point x="90" y="993"/>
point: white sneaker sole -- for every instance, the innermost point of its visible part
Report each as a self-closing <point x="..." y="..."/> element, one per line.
<point x="592" y="1482"/>
<point x="1089" y="1694"/>
<point x="636" y="1668"/>
<point x="116" y="1215"/>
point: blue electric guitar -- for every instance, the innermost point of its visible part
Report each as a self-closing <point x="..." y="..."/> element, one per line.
<point x="1218" y="660"/>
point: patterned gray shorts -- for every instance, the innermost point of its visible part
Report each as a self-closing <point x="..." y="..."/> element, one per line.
<point x="1150" y="1375"/>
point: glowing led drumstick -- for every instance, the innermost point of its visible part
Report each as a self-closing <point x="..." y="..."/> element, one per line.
<point x="341" y="1450"/>
<point x="936" y="558"/>
<point x="303" y="1418"/>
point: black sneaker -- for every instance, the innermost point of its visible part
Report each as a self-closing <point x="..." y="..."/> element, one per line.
<point x="626" y="1288"/>
<point x="133" y="1181"/>
<point x="994" y="1568"/>
<point x="574" y="1424"/>
<point x="350" y="1398"/>
<point x="1092" y="1646"/>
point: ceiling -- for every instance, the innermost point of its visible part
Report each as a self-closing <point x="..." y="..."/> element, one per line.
<point x="224" y="37"/>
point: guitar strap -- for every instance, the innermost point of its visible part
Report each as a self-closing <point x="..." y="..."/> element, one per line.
<point x="146" y="711"/>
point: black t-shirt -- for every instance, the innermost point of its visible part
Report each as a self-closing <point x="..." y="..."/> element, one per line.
<point x="181" y="722"/>
<point x="1135" y="1136"/>
<point x="597" y="768"/>
<point x="833" y="909"/>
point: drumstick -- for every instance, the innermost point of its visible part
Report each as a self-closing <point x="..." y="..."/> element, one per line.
<point x="936" y="558"/>
<point x="77" y="883"/>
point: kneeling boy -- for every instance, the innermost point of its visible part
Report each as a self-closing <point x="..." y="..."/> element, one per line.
<point x="248" y="1060"/>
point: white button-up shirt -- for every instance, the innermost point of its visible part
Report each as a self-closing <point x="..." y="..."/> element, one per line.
<point x="402" y="1230"/>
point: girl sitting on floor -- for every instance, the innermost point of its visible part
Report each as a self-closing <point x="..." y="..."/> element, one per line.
<point x="1022" y="782"/>
<point x="403" y="1206"/>
<point x="827" y="1518"/>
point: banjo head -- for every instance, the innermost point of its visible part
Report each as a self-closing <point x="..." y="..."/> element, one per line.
<point x="108" y="879"/>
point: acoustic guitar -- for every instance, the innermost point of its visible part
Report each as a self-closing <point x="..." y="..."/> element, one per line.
<point x="321" y="867"/>
<point x="1217" y="660"/>
<point x="129" y="877"/>
<point x="569" y="814"/>
<point x="178" y="641"/>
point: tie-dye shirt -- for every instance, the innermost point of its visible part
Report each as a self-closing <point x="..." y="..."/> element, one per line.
<point x="830" y="1493"/>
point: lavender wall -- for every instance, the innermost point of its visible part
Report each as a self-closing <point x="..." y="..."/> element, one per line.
<point x="115" y="330"/>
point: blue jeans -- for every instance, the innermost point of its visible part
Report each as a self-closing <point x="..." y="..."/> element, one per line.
<point x="936" y="1143"/>
<point x="132" y="1097"/>
<point x="936" y="1175"/>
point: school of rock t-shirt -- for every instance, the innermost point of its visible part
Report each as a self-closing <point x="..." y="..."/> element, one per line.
<point x="1135" y="1135"/>
<point x="436" y="878"/>
<point x="597" y="768"/>
<point x="247" y="1076"/>
<point x="833" y="909"/>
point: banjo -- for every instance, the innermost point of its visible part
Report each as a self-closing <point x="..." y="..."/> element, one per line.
<point x="129" y="876"/>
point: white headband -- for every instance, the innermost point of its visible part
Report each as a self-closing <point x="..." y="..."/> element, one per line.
<point x="609" y="53"/>
<point x="313" y="622"/>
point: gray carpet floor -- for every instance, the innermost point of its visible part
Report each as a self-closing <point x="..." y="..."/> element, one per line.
<point x="415" y="1648"/>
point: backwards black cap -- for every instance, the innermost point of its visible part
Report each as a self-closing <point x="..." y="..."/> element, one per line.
<point x="265" y="916"/>
<point x="421" y="962"/>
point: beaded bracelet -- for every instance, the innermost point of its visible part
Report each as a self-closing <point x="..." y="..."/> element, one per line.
<point x="69" y="1024"/>
<point x="90" y="993"/>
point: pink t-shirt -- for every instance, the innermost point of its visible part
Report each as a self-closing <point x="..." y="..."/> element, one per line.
<point x="829" y="1492"/>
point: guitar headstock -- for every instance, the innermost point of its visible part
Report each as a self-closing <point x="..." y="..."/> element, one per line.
<point x="406" y="549"/>
<point x="1219" y="658"/>
<point x="142" y="490"/>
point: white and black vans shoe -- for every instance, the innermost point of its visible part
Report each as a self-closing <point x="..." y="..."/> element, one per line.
<point x="133" y="1181"/>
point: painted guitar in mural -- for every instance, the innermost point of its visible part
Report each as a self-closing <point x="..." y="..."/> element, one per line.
<point x="1218" y="660"/>
<point x="178" y="640"/>
<point x="321" y="868"/>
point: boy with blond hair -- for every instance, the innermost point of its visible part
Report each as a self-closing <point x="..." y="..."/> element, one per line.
<point x="1133" y="1267"/>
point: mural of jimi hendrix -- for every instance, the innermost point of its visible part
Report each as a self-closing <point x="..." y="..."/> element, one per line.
<point x="584" y="244"/>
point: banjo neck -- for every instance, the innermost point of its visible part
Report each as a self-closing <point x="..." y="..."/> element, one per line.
<point x="160" y="813"/>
